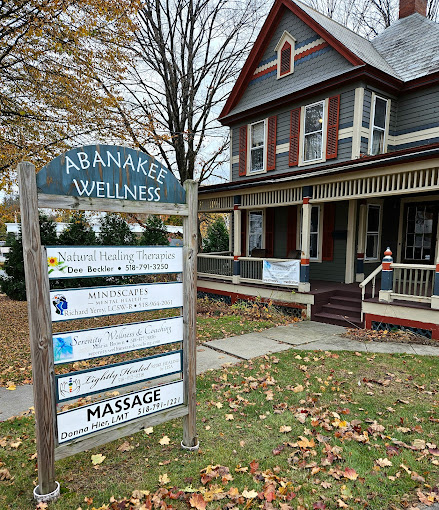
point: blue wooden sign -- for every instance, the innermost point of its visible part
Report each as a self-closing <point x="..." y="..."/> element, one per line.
<point x="110" y="171"/>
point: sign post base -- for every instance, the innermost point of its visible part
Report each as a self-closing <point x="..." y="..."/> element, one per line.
<point x="46" y="498"/>
<point x="190" y="448"/>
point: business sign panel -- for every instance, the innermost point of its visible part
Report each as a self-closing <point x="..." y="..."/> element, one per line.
<point x="93" y="343"/>
<point x="281" y="273"/>
<point x="110" y="171"/>
<point x="79" y="262"/>
<point x="85" y="420"/>
<point x="109" y="377"/>
<point x="69" y="304"/>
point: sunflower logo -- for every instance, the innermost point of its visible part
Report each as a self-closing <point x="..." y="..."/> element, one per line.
<point x="53" y="263"/>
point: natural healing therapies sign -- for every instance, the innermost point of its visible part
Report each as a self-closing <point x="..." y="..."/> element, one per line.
<point x="96" y="380"/>
<point x="68" y="304"/>
<point x="281" y="273"/>
<point x="75" y="261"/>
<point x="93" y="343"/>
<point x="85" y="420"/>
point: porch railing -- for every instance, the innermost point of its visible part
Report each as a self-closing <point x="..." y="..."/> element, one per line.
<point x="251" y="268"/>
<point x="215" y="265"/>
<point x="221" y="266"/>
<point x="411" y="282"/>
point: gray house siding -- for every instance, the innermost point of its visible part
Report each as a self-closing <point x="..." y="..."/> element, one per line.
<point x="280" y="232"/>
<point x="347" y="98"/>
<point x="417" y="112"/>
<point x="313" y="65"/>
<point x="334" y="270"/>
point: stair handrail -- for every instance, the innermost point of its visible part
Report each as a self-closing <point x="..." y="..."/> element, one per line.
<point x="363" y="284"/>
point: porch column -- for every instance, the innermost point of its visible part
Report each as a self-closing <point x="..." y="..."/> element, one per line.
<point x="387" y="277"/>
<point x="350" y="243"/>
<point x="304" y="285"/>
<point x="236" y="238"/>
<point x="361" y="246"/>
<point x="435" y="296"/>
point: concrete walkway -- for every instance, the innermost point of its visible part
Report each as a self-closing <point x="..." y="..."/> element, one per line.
<point x="305" y="335"/>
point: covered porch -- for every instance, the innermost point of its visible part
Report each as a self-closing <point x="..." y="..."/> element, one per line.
<point x="335" y="229"/>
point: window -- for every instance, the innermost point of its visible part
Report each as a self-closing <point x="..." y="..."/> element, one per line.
<point x="313" y="132"/>
<point x="378" y="126"/>
<point x="255" y="230"/>
<point x="257" y="147"/>
<point x="372" y="232"/>
<point x="314" y="245"/>
<point x="285" y="59"/>
<point x="285" y="55"/>
<point x="420" y="232"/>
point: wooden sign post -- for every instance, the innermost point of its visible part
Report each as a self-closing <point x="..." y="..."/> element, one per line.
<point x="112" y="179"/>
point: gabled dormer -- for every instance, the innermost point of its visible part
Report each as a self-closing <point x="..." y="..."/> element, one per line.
<point x="285" y="50"/>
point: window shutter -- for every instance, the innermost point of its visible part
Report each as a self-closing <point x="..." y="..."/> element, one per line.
<point x="328" y="229"/>
<point x="291" y="229"/>
<point x="269" y="232"/>
<point x="293" y="159"/>
<point x="333" y="118"/>
<point x="243" y="150"/>
<point x="271" y="145"/>
<point x="243" y="233"/>
<point x="285" y="59"/>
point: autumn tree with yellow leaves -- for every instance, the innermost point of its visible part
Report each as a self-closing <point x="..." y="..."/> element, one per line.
<point x="55" y="56"/>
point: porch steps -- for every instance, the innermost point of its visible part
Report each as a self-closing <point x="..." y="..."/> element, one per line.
<point x="342" y="309"/>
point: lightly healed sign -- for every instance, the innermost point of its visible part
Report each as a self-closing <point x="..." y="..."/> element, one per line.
<point x="97" y="380"/>
<point x="68" y="304"/>
<point x="93" y="343"/>
<point x="74" y="262"/>
<point x="94" y="417"/>
<point x="281" y="273"/>
<point x="110" y="171"/>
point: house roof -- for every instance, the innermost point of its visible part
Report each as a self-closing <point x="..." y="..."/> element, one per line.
<point x="410" y="46"/>
<point x="357" y="44"/>
<point x="406" y="50"/>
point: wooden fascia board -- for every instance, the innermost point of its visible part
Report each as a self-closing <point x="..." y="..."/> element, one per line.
<point x="424" y="81"/>
<point x="347" y="166"/>
<point x="254" y="57"/>
<point x="263" y="39"/>
<point x="329" y="38"/>
<point x="364" y="73"/>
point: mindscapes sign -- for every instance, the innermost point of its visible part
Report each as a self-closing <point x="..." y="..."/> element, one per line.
<point x="94" y="343"/>
<point x="94" y="417"/>
<point x="68" y="304"/>
<point x="110" y="171"/>
<point x="74" y="262"/>
<point x="88" y="382"/>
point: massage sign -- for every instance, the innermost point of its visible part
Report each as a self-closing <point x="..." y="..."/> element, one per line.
<point x="108" y="399"/>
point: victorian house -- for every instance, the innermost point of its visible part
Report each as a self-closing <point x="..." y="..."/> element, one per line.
<point x="334" y="158"/>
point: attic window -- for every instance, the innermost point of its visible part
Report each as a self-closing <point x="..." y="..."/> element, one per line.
<point x="285" y="55"/>
<point x="285" y="59"/>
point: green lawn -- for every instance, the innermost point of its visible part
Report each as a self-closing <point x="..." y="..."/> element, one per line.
<point x="308" y="430"/>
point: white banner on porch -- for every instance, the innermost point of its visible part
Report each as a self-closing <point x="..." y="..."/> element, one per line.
<point x="281" y="273"/>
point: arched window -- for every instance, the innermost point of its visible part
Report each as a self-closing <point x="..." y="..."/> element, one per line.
<point x="285" y="59"/>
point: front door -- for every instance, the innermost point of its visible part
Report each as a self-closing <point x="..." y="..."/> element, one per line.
<point x="419" y="233"/>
